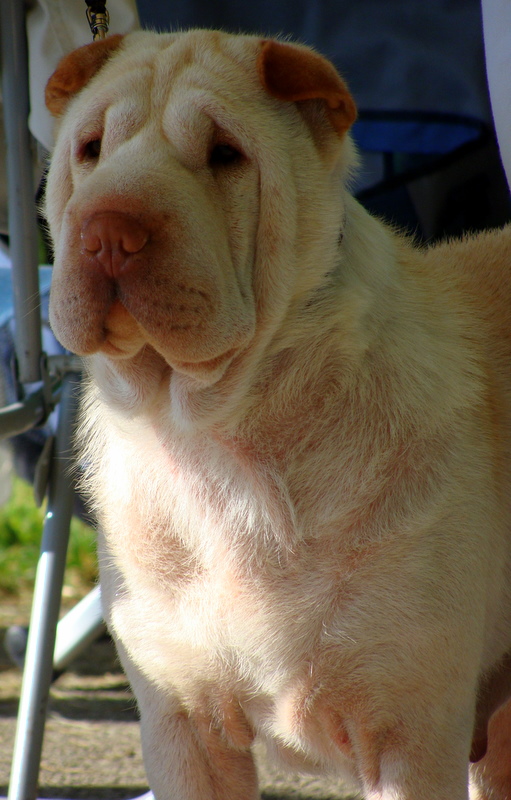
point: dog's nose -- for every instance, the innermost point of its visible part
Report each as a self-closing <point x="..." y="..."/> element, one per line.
<point x="113" y="238"/>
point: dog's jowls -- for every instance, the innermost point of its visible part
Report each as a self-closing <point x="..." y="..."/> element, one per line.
<point x="296" y="431"/>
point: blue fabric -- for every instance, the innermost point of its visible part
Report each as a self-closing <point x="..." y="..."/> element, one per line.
<point x="419" y="136"/>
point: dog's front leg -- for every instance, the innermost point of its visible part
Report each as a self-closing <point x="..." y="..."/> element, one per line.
<point x="492" y="774"/>
<point x="189" y="761"/>
<point x="189" y="757"/>
<point x="416" y="759"/>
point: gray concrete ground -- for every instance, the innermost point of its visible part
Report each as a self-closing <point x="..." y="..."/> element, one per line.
<point x="91" y="747"/>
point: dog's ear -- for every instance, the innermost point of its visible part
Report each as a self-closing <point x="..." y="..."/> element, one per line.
<point x="75" y="70"/>
<point x="296" y="73"/>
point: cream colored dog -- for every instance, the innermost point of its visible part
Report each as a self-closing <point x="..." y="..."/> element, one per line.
<point x="297" y="429"/>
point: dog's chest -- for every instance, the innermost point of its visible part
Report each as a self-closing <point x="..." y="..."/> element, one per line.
<point x="202" y="543"/>
<point x="214" y="507"/>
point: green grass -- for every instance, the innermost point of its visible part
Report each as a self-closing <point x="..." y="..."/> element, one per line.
<point x="21" y="525"/>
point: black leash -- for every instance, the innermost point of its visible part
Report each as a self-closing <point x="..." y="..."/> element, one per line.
<point x="98" y="18"/>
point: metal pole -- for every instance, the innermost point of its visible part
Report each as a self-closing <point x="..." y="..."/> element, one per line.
<point x="38" y="669"/>
<point x="21" y="203"/>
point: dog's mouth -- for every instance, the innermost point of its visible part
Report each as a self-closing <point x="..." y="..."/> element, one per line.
<point x="122" y="335"/>
<point x="124" y="338"/>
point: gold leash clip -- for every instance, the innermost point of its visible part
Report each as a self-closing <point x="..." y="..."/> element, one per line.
<point x="98" y="23"/>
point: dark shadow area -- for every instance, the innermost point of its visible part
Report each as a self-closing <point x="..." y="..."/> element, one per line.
<point x="88" y="706"/>
<point x="92" y="707"/>
<point x="98" y="658"/>
<point x="9" y="707"/>
<point x="120" y="793"/>
<point x="88" y="793"/>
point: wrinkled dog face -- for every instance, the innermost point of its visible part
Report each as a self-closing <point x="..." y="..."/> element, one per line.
<point x="167" y="196"/>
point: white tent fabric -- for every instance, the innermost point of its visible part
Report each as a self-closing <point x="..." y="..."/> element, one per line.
<point x="497" y="41"/>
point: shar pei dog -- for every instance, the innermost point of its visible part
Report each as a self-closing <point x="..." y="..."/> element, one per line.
<point x="296" y="431"/>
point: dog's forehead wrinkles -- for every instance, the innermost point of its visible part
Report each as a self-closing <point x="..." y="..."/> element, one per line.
<point x="155" y="75"/>
<point x="207" y="59"/>
<point x="124" y="96"/>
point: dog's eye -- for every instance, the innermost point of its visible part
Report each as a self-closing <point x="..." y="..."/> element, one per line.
<point x="91" y="150"/>
<point x="224" y="155"/>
